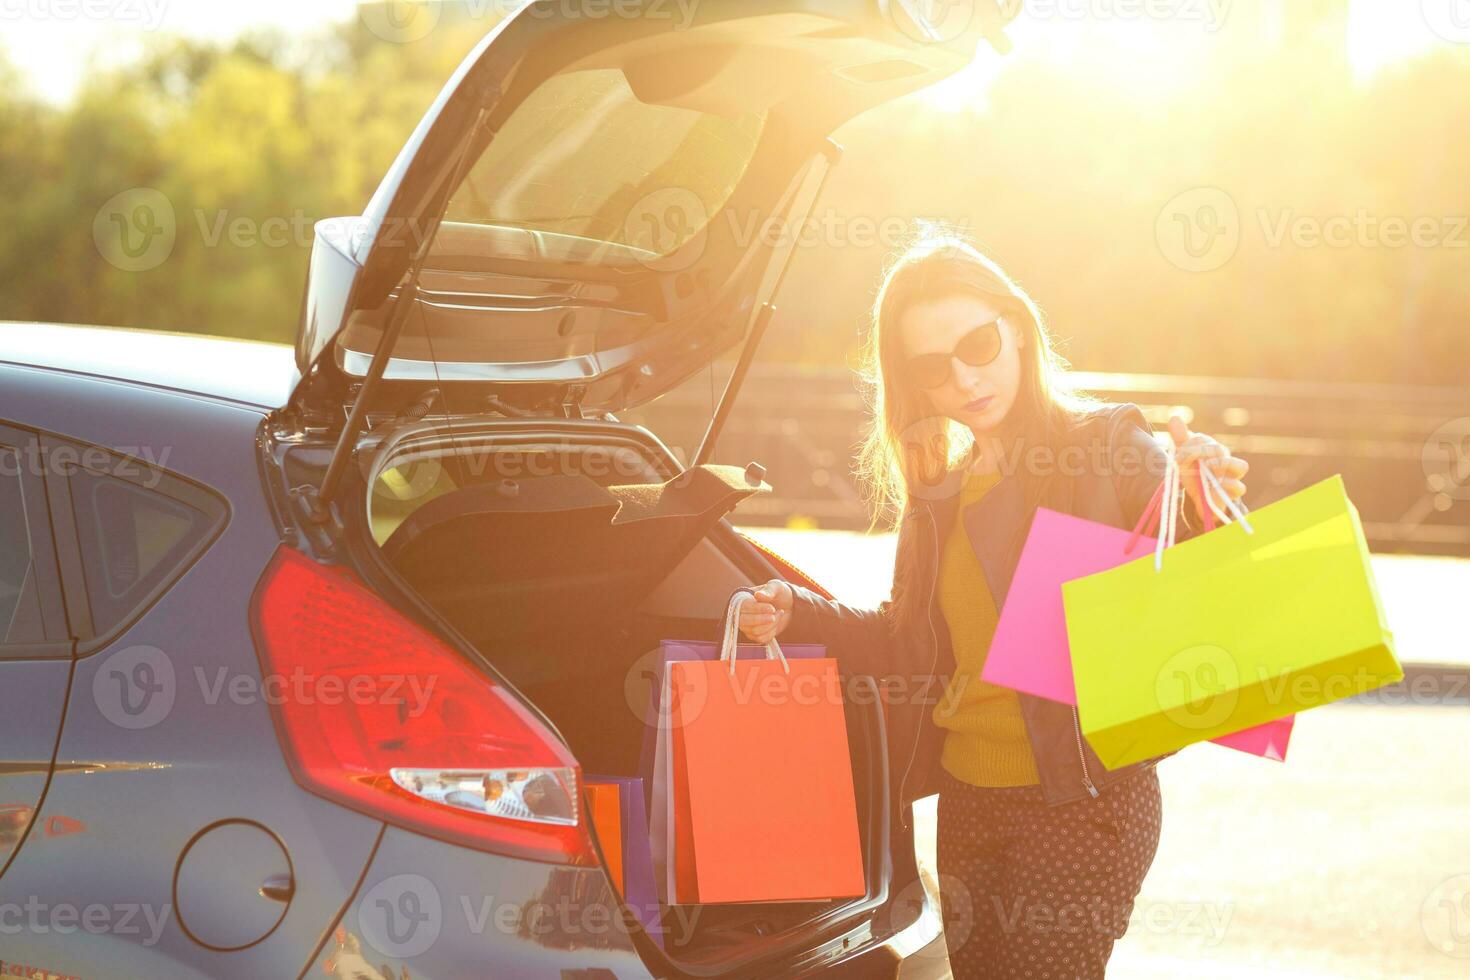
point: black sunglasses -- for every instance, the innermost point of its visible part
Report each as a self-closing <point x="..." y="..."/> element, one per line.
<point x="977" y="348"/>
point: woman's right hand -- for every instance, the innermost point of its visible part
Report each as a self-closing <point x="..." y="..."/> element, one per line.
<point x="765" y="618"/>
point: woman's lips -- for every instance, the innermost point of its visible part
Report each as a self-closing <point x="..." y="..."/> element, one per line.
<point x="979" y="404"/>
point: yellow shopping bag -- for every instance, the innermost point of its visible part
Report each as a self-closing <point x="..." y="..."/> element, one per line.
<point x="1248" y="623"/>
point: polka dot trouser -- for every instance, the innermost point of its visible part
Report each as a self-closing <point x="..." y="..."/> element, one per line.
<point x="1031" y="891"/>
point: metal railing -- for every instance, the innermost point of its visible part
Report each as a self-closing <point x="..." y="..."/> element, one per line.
<point x="1403" y="452"/>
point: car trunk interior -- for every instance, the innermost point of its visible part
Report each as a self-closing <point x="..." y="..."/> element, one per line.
<point x="566" y="558"/>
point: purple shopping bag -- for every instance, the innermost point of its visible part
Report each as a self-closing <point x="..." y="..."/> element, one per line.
<point x="640" y="893"/>
<point x="1030" y="651"/>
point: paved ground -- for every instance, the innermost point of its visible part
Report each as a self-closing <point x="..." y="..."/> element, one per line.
<point x="1351" y="860"/>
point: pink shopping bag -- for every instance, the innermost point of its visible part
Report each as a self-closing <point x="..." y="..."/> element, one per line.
<point x="1030" y="652"/>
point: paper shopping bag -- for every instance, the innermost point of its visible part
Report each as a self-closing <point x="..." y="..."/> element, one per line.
<point x="655" y="712"/>
<point x="1240" y="627"/>
<point x="634" y="875"/>
<point x="1029" y="651"/>
<point x="761" y="804"/>
<point x="605" y="807"/>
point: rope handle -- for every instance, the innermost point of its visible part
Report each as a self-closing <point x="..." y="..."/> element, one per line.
<point x="730" y="641"/>
<point x="1167" y="503"/>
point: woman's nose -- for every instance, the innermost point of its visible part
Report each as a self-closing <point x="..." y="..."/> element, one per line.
<point x="966" y="376"/>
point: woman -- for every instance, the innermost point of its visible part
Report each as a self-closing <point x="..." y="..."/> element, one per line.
<point x="1041" y="850"/>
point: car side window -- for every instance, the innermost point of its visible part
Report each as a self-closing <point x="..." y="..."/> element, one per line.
<point x="20" y="607"/>
<point x="137" y="529"/>
<point x="31" y="610"/>
<point x="127" y="532"/>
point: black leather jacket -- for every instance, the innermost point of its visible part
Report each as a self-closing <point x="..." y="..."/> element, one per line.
<point x="1108" y="473"/>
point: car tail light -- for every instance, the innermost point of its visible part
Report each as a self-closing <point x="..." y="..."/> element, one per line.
<point x="378" y="714"/>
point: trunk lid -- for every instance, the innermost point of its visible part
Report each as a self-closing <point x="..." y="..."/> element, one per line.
<point x="578" y="217"/>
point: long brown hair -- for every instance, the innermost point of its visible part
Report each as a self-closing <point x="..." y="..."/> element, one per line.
<point x="907" y="449"/>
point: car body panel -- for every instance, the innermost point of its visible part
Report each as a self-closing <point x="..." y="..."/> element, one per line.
<point x="197" y="748"/>
<point x="245" y="371"/>
<point x="32" y="696"/>
<point x="435" y="911"/>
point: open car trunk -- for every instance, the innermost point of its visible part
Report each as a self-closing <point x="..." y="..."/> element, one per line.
<point x="564" y="551"/>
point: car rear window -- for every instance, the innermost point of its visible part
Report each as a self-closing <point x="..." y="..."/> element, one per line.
<point x="583" y="156"/>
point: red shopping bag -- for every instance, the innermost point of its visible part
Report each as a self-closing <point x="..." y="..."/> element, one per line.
<point x="760" y="799"/>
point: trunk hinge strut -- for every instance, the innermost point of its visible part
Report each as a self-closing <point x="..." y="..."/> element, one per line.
<point x="824" y="161"/>
<point x="318" y="504"/>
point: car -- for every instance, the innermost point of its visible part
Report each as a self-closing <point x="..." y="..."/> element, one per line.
<point x="307" y="652"/>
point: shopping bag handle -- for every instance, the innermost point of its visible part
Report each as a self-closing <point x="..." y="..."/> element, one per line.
<point x="1168" y="502"/>
<point x="730" y="641"/>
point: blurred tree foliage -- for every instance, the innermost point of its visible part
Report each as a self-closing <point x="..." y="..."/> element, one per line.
<point x="1060" y="176"/>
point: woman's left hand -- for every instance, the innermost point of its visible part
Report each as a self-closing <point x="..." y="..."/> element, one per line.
<point x="1194" y="449"/>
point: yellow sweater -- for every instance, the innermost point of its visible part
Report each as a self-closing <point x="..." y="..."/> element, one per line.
<point x="986" y="742"/>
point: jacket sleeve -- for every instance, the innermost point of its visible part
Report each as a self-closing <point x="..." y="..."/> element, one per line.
<point x="1138" y="464"/>
<point x="861" y="640"/>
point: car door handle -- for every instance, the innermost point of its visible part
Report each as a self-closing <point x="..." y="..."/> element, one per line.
<point x="278" y="888"/>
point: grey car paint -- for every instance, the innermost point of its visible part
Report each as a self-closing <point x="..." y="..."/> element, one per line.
<point x="135" y="790"/>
